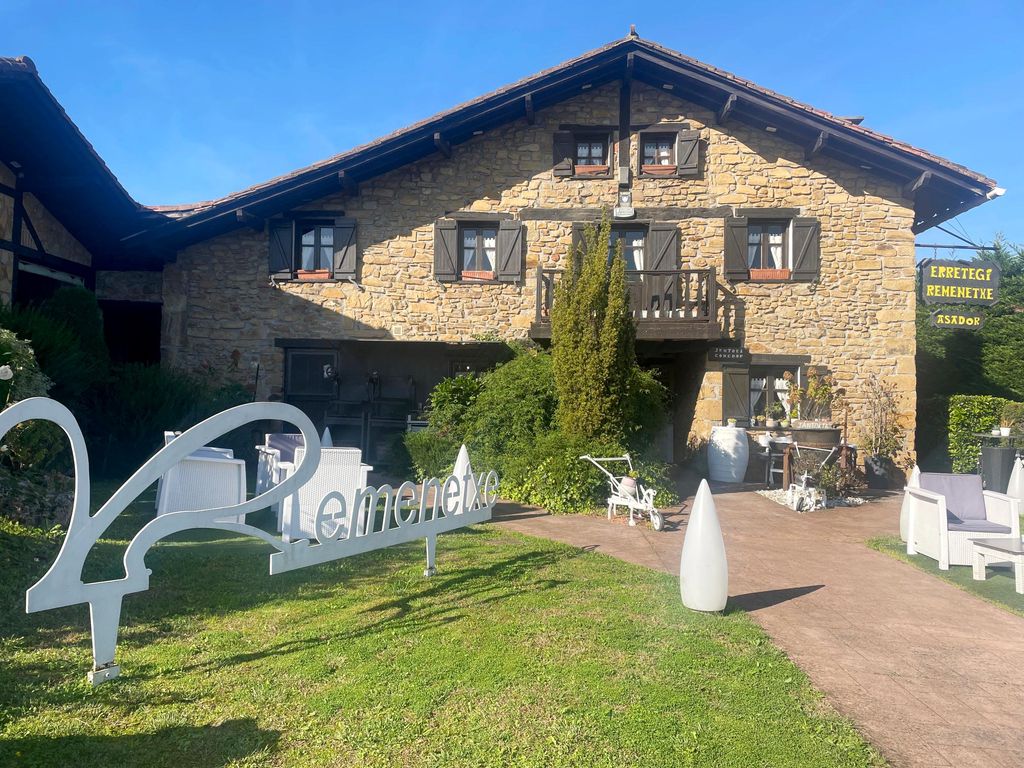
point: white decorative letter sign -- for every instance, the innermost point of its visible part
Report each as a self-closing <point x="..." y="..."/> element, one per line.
<point x="379" y="517"/>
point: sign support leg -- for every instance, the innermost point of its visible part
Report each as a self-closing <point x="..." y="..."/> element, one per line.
<point x="431" y="550"/>
<point x="104" y="616"/>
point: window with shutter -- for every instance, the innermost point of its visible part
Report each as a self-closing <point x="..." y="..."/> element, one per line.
<point x="765" y="248"/>
<point x="583" y="153"/>
<point x="736" y="248"/>
<point x="446" y="250"/>
<point x="688" y="160"/>
<point x="346" y="252"/>
<point x="806" y="249"/>
<point x="511" y="246"/>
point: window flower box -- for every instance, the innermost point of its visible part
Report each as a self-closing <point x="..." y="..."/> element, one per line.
<point x="592" y="170"/>
<point x="313" y="274"/>
<point x="477" y="274"/>
<point x="658" y="170"/>
<point x="769" y="274"/>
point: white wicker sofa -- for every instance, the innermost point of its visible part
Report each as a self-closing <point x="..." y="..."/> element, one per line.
<point x="947" y="511"/>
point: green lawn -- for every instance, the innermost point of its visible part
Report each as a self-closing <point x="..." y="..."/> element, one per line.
<point x="998" y="586"/>
<point x="520" y="652"/>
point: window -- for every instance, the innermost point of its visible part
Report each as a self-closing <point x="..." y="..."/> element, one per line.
<point x="632" y="242"/>
<point x="659" y="149"/>
<point x="316" y="246"/>
<point x="769" y="390"/>
<point x="591" y="150"/>
<point x="311" y="373"/>
<point x="767" y="249"/>
<point x="477" y="250"/>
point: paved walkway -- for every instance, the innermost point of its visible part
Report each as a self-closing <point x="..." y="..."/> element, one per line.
<point x="931" y="675"/>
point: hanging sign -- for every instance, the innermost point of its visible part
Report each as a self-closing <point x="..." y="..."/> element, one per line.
<point x="377" y="518"/>
<point x="957" y="318"/>
<point x="959" y="282"/>
<point x="725" y="354"/>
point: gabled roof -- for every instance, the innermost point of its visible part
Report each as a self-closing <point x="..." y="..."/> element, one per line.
<point x="58" y="165"/>
<point x="941" y="188"/>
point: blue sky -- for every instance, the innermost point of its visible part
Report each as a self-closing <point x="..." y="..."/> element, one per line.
<point x="190" y="101"/>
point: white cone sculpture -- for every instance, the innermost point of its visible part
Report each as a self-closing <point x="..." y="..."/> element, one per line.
<point x="326" y="441"/>
<point x="467" y="484"/>
<point x="703" y="569"/>
<point x="913" y="482"/>
<point x="1015" y="487"/>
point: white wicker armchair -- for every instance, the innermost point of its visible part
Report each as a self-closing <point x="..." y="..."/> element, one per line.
<point x="947" y="511"/>
<point x="278" y="448"/>
<point x="341" y="470"/>
<point x="203" y="482"/>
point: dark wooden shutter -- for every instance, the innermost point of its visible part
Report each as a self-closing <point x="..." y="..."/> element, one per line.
<point x="736" y="248"/>
<point x="282" y="248"/>
<point x="446" y="250"/>
<point x="688" y="153"/>
<point x="563" y="153"/>
<point x="806" y="249"/>
<point x="736" y="394"/>
<point x="579" y="238"/>
<point x="511" y="241"/>
<point x="346" y="252"/>
<point x="662" y="253"/>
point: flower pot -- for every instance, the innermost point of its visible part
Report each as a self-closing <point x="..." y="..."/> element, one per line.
<point x="477" y="274"/>
<point x="771" y="423"/>
<point x="728" y="454"/>
<point x="995" y="432"/>
<point x="658" y="170"/>
<point x="591" y="170"/>
<point x="769" y="274"/>
<point x="313" y="274"/>
<point x="1004" y="431"/>
<point x="628" y="486"/>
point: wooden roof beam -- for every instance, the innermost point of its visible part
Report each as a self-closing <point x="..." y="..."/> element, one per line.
<point x="726" y="108"/>
<point x="910" y="190"/>
<point x="630" y="66"/>
<point x="819" y="144"/>
<point x="443" y="145"/>
<point x="349" y="184"/>
<point x="242" y="216"/>
<point x="531" y="117"/>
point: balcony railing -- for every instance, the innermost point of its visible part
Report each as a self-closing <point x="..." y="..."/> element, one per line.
<point x="665" y="304"/>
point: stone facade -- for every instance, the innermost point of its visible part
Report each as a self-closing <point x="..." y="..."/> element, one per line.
<point x="858" y="319"/>
<point x="129" y="286"/>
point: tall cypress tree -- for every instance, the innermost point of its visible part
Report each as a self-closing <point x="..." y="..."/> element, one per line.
<point x="593" y="340"/>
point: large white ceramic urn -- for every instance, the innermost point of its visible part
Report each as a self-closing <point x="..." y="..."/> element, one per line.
<point x="728" y="453"/>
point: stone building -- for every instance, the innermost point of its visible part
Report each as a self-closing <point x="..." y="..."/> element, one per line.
<point x="762" y="236"/>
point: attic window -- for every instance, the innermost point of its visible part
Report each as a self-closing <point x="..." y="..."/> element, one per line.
<point x="591" y="150"/>
<point x="659" y="149"/>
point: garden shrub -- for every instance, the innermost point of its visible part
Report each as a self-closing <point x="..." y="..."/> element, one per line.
<point x="33" y="444"/>
<point x="450" y="400"/>
<point x="432" y="452"/>
<point x="549" y="473"/>
<point x="968" y="415"/>
<point x="39" y="498"/>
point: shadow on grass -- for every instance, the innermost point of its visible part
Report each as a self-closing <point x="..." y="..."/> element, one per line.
<point x="194" y="746"/>
<point x="418" y="610"/>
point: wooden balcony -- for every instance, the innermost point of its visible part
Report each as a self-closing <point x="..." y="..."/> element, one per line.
<point x="666" y="304"/>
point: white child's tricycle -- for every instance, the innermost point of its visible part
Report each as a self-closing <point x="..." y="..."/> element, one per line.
<point x="627" y="492"/>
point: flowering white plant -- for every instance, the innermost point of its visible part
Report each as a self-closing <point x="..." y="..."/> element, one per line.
<point x="6" y="373"/>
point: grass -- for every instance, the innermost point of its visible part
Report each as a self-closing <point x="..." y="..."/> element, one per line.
<point x="520" y="652"/>
<point x="998" y="586"/>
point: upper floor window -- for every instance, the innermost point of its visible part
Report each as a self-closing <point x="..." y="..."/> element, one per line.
<point x="316" y="247"/>
<point x="767" y="249"/>
<point x="477" y="251"/>
<point x="313" y="249"/>
<point x="591" y="150"/>
<point x="659" y="149"/>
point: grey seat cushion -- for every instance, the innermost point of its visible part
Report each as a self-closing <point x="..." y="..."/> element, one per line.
<point x="286" y="444"/>
<point x="964" y="493"/>
<point x="974" y="526"/>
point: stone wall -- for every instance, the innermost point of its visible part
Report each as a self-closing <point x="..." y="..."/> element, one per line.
<point x="858" y="320"/>
<point x="129" y="286"/>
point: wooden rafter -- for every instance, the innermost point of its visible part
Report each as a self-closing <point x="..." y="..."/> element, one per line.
<point x="819" y="144"/>
<point x="911" y="189"/>
<point x="348" y="183"/>
<point x="528" y="105"/>
<point x="726" y="108"/>
<point x="443" y="145"/>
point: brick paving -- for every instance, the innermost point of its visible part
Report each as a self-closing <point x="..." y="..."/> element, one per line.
<point x="931" y="675"/>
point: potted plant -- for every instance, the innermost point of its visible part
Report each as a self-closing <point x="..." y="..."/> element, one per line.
<point x="1012" y="416"/>
<point x="731" y="422"/>
<point x="773" y="413"/>
<point x="759" y="420"/>
<point x="313" y="274"/>
<point x="885" y="436"/>
<point x="784" y="423"/>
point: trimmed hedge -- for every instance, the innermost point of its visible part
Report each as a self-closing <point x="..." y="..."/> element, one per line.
<point x="968" y="415"/>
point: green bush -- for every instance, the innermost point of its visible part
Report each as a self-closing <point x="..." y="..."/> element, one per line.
<point x="432" y="452"/>
<point x="550" y="474"/>
<point x="969" y="415"/>
<point x="451" y="399"/>
<point x="33" y="444"/>
<point x="516" y="404"/>
<point x="143" y="401"/>
<point x="78" y="308"/>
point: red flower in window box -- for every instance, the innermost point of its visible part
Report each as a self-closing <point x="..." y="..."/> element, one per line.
<point x="769" y="274"/>
<point x="658" y="170"/>
<point x="591" y="170"/>
<point x="313" y="274"/>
